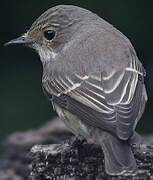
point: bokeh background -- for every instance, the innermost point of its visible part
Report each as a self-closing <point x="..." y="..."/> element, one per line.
<point x="22" y="103"/>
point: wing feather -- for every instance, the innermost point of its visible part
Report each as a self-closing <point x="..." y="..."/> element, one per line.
<point x="114" y="96"/>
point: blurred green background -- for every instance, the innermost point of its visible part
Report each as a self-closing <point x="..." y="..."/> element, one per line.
<point x="22" y="103"/>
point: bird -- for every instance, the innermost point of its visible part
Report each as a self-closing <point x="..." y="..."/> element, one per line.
<point x="93" y="78"/>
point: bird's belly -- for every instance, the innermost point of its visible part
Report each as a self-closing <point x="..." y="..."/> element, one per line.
<point x="72" y="122"/>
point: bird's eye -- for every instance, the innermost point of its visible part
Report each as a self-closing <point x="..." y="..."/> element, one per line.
<point x="49" y="34"/>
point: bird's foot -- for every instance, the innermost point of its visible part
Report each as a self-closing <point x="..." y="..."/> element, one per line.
<point x="76" y="141"/>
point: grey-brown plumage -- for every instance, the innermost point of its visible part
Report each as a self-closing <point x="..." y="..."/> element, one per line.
<point x="94" y="79"/>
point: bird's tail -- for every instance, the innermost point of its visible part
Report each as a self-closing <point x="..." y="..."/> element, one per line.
<point x="118" y="156"/>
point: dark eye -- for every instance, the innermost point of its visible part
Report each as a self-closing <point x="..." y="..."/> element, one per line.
<point x="49" y="34"/>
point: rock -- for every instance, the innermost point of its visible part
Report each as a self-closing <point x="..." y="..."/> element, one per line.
<point x="15" y="162"/>
<point x="83" y="161"/>
<point x="63" y="159"/>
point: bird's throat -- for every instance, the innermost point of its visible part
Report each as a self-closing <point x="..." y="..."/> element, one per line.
<point x="46" y="54"/>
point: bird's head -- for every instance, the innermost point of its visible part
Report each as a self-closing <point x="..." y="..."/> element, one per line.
<point x="54" y="28"/>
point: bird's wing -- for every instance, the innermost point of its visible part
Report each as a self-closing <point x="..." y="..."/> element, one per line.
<point x="107" y="100"/>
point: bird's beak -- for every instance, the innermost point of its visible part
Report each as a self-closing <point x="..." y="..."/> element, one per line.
<point x="21" y="40"/>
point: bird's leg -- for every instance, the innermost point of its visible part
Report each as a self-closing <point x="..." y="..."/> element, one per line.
<point x="76" y="141"/>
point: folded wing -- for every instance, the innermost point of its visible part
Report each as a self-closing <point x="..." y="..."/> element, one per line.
<point x="108" y="100"/>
